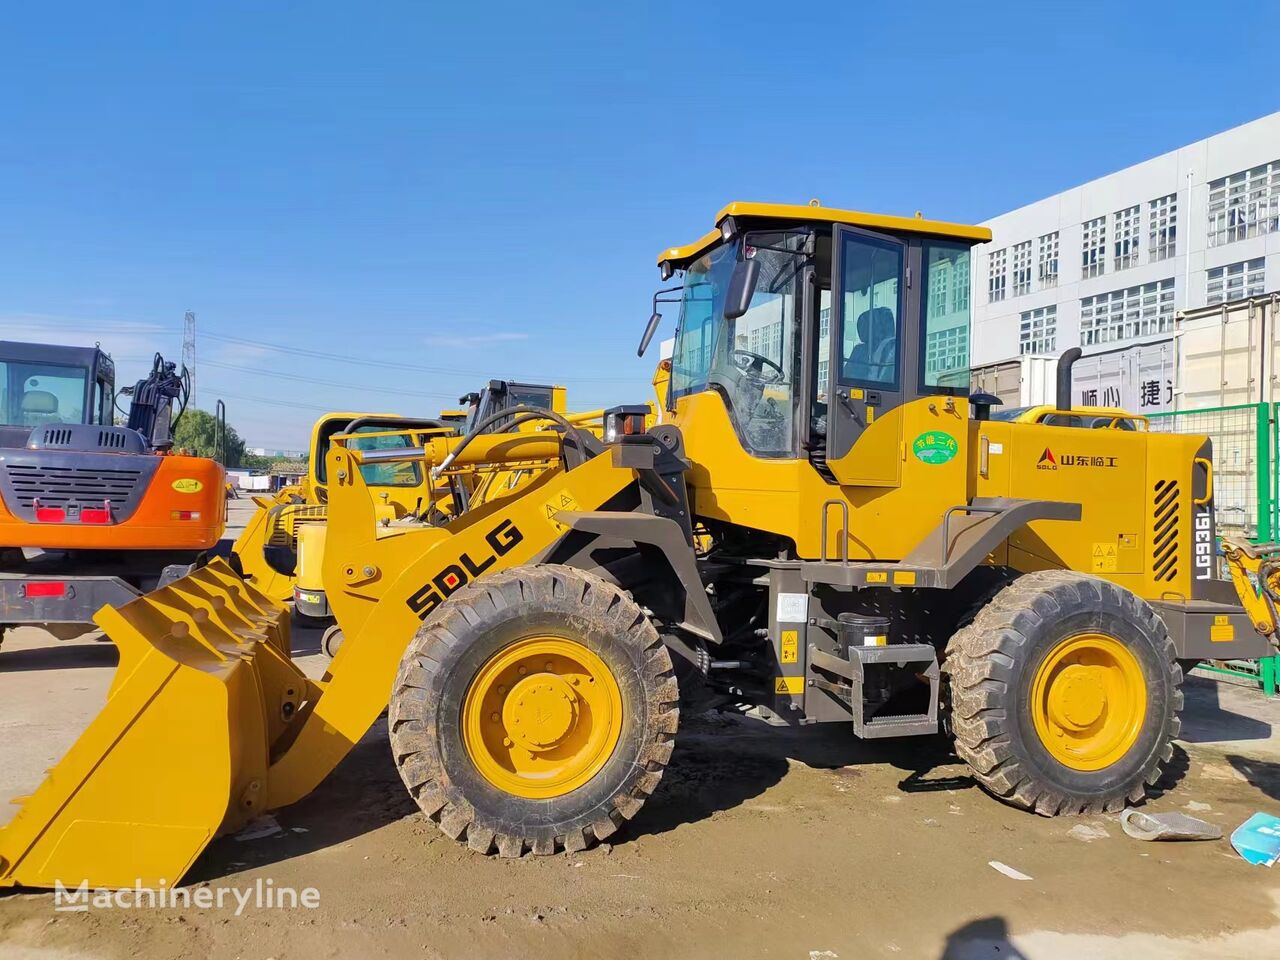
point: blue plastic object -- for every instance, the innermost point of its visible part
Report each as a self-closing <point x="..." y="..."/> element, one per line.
<point x="1258" y="839"/>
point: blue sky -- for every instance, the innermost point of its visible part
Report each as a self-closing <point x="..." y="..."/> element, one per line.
<point x="478" y="190"/>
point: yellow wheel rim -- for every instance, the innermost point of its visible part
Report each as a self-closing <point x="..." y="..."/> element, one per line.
<point x="1088" y="701"/>
<point x="542" y="717"/>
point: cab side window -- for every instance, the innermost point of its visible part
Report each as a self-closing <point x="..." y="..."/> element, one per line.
<point x="870" y="311"/>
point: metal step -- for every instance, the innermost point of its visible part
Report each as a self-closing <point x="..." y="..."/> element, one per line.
<point x="899" y="654"/>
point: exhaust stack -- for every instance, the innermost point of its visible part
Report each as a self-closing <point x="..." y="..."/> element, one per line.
<point x="1065" y="363"/>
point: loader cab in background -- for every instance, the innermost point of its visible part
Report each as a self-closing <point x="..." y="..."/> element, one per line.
<point x="401" y="486"/>
<point x="500" y="395"/>
<point x="43" y="383"/>
<point x="817" y="326"/>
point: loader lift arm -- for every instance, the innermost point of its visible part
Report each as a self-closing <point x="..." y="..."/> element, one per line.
<point x="1255" y="572"/>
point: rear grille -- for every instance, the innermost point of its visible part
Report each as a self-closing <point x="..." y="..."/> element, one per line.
<point x="59" y="486"/>
<point x="1164" y="530"/>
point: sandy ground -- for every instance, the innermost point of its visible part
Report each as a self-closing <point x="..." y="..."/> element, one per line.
<point x="759" y="843"/>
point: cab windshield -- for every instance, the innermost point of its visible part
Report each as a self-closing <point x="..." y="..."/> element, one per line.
<point x="750" y="361"/>
<point x="405" y="473"/>
<point x="33" y="394"/>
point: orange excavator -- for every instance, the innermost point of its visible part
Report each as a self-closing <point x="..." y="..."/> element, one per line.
<point x="92" y="513"/>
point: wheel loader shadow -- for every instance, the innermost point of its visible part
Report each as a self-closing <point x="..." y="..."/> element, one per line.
<point x="1262" y="774"/>
<point x="362" y="795"/>
<point x="61" y="655"/>
<point x="718" y="763"/>
<point x="721" y="762"/>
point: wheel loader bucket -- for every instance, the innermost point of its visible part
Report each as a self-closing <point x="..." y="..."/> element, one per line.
<point x="180" y="751"/>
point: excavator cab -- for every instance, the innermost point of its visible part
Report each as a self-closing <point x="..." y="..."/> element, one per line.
<point x="46" y="383"/>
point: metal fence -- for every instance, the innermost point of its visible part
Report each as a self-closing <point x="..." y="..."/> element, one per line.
<point x="1246" y="491"/>
<point x="1243" y="478"/>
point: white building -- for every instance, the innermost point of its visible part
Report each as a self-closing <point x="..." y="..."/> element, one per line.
<point x="1108" y="263"/>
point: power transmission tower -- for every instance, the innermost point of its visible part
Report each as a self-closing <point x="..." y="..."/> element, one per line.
<point x="189" y="350"/>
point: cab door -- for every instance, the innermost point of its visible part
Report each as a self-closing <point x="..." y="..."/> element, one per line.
<point x="868" y="342"/>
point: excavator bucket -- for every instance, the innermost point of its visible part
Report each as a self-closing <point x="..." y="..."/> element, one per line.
<point x="204" y="691"/>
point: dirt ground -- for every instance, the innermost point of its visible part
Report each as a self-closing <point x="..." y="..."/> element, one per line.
<point x="760" y="842"/>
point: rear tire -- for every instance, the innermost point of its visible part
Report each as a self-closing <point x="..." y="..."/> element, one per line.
<point x="449" y="666"/>
<point x="1103" y="737"/>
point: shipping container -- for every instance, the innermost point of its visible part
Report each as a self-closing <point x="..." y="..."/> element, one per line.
<point x="1229" y="354"/>
<point x="1025" y="381"/>
<point x="1139" y="378"/>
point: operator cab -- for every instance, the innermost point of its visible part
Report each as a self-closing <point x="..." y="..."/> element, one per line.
<point x="43" y="384"/>
<point x="812" y="323"/>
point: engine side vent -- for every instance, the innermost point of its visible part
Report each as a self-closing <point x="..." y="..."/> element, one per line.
<point x="1165" y="546"/>
<point x="57" y="437"/>
<point x="112" y="440"/>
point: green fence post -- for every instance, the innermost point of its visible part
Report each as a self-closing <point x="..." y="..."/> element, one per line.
<point x="1275" y="480"/>
<point x="1264" y="473"/>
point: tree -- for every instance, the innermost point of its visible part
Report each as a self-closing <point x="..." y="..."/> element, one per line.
<point x="197" y="433"/>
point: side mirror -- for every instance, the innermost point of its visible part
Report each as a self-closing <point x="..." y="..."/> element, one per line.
<point x="654" y="319"/>
<point x="742" y="287"/>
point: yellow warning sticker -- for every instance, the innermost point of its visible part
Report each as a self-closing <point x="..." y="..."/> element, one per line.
<point x="856" y="393"/>
<point x="790" y="651"/>
<point x="562" y="501"/>
<point x="1221" y="619"/>
<point x="877" y="576"/>
<point x="788" y="685"/>
<point x="187" y="485"/>
<point x="907" y="579"/>
<point x="1222" y="632"/>
<point x="1105" y="557"/>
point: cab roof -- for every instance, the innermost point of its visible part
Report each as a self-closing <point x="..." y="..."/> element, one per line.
<point x="678" y="256"/>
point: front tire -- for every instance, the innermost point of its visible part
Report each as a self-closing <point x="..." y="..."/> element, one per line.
<point x="535" y="710"/>
<point x="1064" y="694"/>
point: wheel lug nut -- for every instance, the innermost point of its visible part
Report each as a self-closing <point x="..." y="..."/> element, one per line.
<point x="493" y="717"/>
<point x="522" y="671"/>
<point x="547" y="666"/>
<point x="506" y="741"/>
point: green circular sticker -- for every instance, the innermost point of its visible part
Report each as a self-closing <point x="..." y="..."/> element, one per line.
<point x="934" y="447"/>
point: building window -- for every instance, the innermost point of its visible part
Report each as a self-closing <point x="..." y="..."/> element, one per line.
<point x="824" y="358"/>
<point x="996" y="275"/>
<point x="1125" y="314"/>
<point x="1038" y="331"/>
<point x="1021" y="268"/>
<point x="1236" y="280"/>
<point x="1163" y="218"/>
<point x="1093" y="259"/>
<point x="766" y="339"/>
<point x="1049" y="260"/>
<point x="946" y="351"/>
<point x="1125" y="230"/>
<point x="1245" y="204"/>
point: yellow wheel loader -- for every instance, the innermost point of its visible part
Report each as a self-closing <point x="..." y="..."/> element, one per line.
<point x="399" y="490"/>
<point x="825" y="528"/>
<point x="292" y="535"/>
